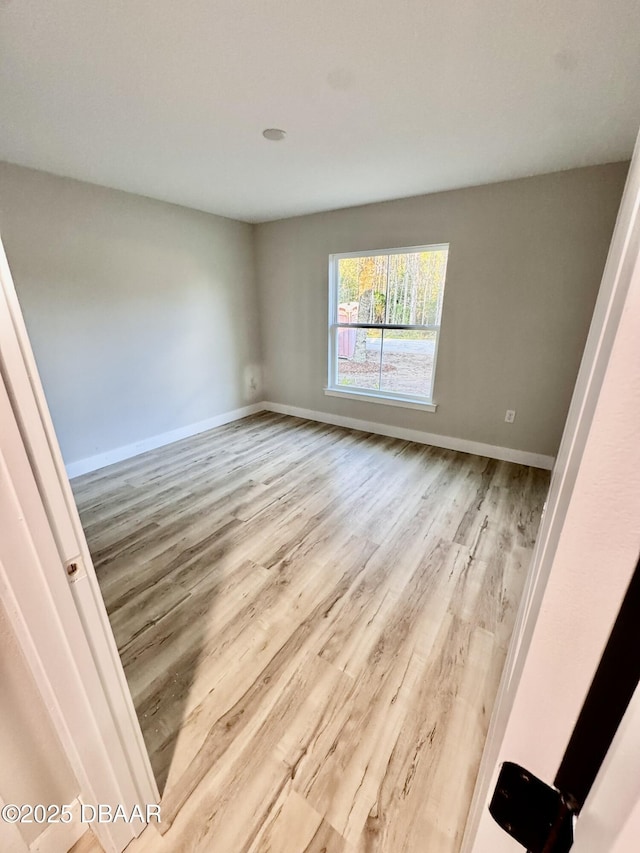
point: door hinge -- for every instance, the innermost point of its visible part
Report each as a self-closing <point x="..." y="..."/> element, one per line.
<point x="74" y="569"/>
<point x="536" y="815"/>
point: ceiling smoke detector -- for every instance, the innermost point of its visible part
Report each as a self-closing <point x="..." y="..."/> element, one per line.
<point x="274" y="134"/>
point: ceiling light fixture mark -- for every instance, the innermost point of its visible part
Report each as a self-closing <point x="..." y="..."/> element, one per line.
<point x="274" y="134"/>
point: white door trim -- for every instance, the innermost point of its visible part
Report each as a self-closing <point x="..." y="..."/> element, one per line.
<point x="116" y="761"/>
<point x="616" y="281"/>
<point x="610" y="817"/>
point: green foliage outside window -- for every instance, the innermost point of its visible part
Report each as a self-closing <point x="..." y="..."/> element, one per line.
<point x="404" y="289"/>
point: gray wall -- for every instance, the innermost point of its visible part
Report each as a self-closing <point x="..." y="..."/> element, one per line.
<point x="33" y="766"/>
<point x="142" y="315"/>
<point x="525" y="263"/>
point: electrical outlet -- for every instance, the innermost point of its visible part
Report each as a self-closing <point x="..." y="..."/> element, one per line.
<point x="510" y="416"/>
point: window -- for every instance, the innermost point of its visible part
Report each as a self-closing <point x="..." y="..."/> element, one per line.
<point x="384" y="323"/>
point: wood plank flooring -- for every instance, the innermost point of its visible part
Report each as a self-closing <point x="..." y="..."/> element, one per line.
<point x="313" y="622"/>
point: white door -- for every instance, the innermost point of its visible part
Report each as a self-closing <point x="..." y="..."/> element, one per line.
<point x="586" y="552"/>
<point x="49" y="586"/>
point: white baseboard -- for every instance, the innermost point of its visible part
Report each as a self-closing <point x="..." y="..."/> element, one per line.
<point x="60" y="836"/>
<point x="506" y="454"/>
<point x="101" y="460"/>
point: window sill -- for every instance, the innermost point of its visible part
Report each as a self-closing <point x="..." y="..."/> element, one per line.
<point x="372" y="397"/>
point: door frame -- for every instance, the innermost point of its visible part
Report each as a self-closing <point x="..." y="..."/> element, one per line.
<point x="619" y="275"/>
<point x="107" y="750"/>
<point x="610" y="817"/>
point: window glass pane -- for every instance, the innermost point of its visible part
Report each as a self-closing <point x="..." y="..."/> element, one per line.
<point x="415" y="288"/>
<point x="407" y="362"/>
<point x="359" y="358"/>
<point x="362" y="287"/>
<point x="403" y="288"/>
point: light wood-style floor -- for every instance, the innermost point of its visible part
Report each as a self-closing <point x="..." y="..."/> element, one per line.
<point x="313" y="622"/>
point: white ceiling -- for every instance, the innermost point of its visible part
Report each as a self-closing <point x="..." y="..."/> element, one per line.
<point x="168" y="98"/>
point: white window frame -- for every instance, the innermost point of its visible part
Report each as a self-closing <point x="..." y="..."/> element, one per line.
<point x="333" y="389"/>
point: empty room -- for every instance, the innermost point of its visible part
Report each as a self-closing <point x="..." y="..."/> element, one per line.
<point x="304" y="318"/>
